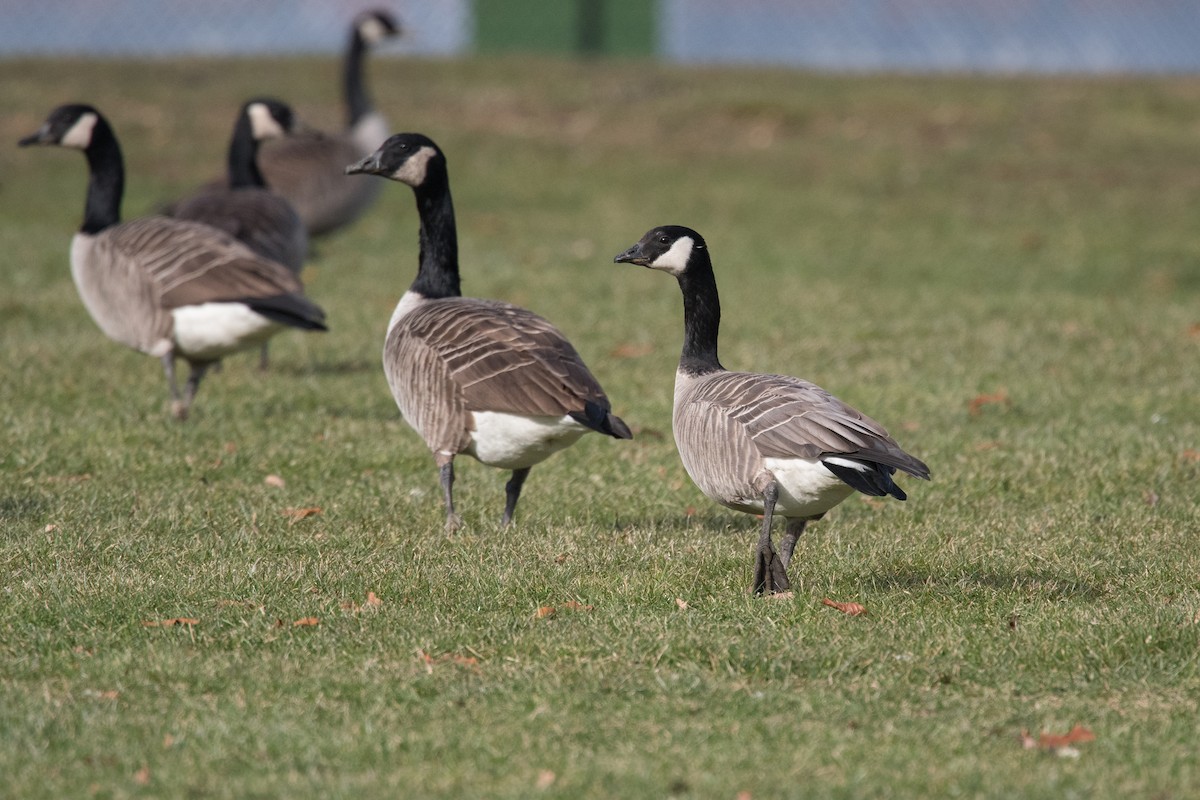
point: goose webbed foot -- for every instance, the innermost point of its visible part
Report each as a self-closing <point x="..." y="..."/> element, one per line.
<point x="770" y="573"/>
<point x="512" y="493"/>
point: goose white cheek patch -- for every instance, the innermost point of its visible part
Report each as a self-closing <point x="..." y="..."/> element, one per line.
<point x="80" y="134"/>
<point x="372" y="31"/>
<point x="675" y="260"/>
<point x="413" y="170"/>
<point x="262" y="124"/>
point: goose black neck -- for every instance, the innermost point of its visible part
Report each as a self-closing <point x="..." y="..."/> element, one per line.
<point x="437" y="275"/>
<point x="106" y="179"/>
<point x="243" y="156"/>
<point x="358" y="104"/>
<point x="701" y="316"/>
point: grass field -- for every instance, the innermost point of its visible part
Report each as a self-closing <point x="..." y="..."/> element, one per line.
<point x="1005" y="272"/>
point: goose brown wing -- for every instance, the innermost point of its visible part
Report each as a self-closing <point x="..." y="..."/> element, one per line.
<point x="258" y="218"/>
<point x="787" y="417"/>
<point x="188" y="263"/>
<point x="505" y="358"/>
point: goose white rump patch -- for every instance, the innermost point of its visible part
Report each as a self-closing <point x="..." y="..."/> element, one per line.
<point x="212" y="330"/>
<point x="806" y="487"/>
<point x="515" y="441"/>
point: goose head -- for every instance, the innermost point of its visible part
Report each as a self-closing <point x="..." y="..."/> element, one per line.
<point x="372" y="27"/>
<point x="409" y="158"/>
<point x="69" y="125"/>
<point x="669" y="248"/>
<point x="269" y="118"/>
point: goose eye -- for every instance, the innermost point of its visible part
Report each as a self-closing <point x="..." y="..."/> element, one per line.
<point x="663" y="239"/>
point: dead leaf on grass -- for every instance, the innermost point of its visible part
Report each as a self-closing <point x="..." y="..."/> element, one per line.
<point x="545" y="612"/>
<point x="275" y="480"/>
<point x="681" y="603"/>
<point x="306" y="622"/>
<point x="1190" y="455"/>
<point x="632" y="350"/>
<point x="979" y="402"/>
<point x="142" y="776"/>
<point x="372" y="602"/>
<point x="51" y="528"/>
<point x="576" y="606"/>
<point x="447" y="658"/>
<point x="1194" y="330"/>
<point x="853" y="609"/>
<point x="1059" y="744"/>
<point x="170" y="623"/>
<point x="294" y="515"/>
<point x="545" y="779"/>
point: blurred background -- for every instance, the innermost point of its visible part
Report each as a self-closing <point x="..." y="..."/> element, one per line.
<point x="919" y="35"/>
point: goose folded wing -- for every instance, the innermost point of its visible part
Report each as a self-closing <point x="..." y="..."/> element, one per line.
<point x="504" y="358"/>
<point x="788" y="417"/>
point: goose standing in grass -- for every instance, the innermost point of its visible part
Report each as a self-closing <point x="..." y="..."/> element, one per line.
<point x="472" y="376"/>
<point x="762" y="444"/>
<point x="167" y="287"/>
<point x="308" y="169"/>
<point x="246" y="208"/>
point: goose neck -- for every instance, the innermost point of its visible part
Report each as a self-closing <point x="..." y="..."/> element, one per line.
<point x="243" y="156"/>
<point x="358" y="103"/>
<point x="437" y="275"/>
<point x="701" y="317"/>
<point x="106" y="180"/>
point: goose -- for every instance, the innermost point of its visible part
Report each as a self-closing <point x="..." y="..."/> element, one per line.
<point x="308" y="169"/>
<point x="762" y="444"/>
<point x="480" y="377"/>
<point x="167" y="287"/>
<point x="245" y="208"/>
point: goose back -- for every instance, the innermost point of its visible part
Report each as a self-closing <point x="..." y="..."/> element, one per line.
<point x="261" y="219"/>
<point x="308" y="170"/>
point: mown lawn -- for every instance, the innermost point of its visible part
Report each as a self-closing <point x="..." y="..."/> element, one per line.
<point x="1005" y="272"/>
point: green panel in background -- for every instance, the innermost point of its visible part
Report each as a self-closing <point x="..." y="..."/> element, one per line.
<point x="583" y="27"/>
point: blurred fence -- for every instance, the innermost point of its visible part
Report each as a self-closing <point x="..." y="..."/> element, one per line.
<point x="915" y="35"/>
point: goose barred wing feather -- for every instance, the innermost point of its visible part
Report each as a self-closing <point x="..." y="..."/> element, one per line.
<point x="506" y="358"/>
<point x="188" y="263"/>
<point x="309" y="171"/>
<point x="789" y="417"/>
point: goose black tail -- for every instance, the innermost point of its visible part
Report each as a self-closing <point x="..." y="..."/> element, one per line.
<point x="875" y="480"/>
<point x="600" y="419"/>
<point x="293" y="310"/>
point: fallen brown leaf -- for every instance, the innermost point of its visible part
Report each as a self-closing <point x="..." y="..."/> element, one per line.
<point x="447" y="658"/>
<point x="744" y="795"/>
<point x="294" y="515"/>
<point x="561" y="557"/>
<point x="545" y="779"/>
<point x="690" y="511"/>
<point x="1076" y="735"/>
<point x="976" y="405"/>
<point x="170" y="623"/>
<point x="373" y="600"/>
<point x="275" y="480"/>
<point x="681" y="603"/>
<point x="306" y="622"/>
<point x="545" y="612"/>
<point x="142" y="776"/>
<point x="853" y="609"/>
<point x="51" y="528"/>
<point x="574" y="606"/>
<point x="1190" y="455"/>
<point x="632" y="350"/>
<point x="1194" y="329"/>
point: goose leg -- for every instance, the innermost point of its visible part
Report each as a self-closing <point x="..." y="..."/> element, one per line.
<point x="446" y="473"/>
<point x="512" y="493"/>
<point x="770" y="577"/>
<point x="178" y="407"/>
<point x="263" y="358"/>
<point x="181" y="407"/>
<point x="795" y="527"/>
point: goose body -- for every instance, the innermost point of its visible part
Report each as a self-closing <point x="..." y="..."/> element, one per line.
<point x="245" y="207"/>
<point x="761" y="443"/>
<point x="485" y="378"/>
<point x="308" y="169"/>
<point x="168" y="287"/>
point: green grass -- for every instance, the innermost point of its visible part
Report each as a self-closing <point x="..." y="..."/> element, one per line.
<point x="910" y="243"/>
